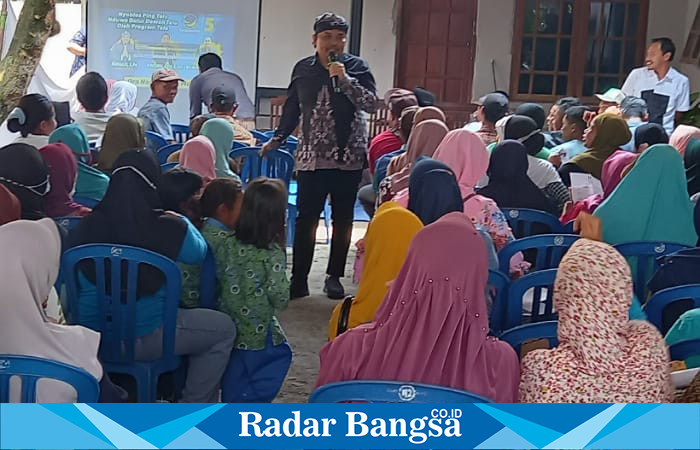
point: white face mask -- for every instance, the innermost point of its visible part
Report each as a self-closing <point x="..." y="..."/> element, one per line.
<point x="138" y="172"/>
<point x="40" y="189"/>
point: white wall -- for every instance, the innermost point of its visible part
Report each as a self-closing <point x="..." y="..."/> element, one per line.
<point x="286" y="27"/>
<point x="494" y="39"/>
<point x="378" y="44"/>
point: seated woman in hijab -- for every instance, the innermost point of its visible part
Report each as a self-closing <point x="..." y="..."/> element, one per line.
<point x="433" y="332"/>
<point x="647" y="135"/>
<point x="131" y="214"/>
<point x="612" y="175"/>
<point x="605" y="134"/>
<point x="509" y="186"/>
<point x="434" y="193"/>
<point x="536" y="113"/>
<point x="199" y="155"/>
<point x="691" y="160"/>
<point x="24" y="172"/>
<point x="421" y="115"/>
<point x="388" y="236"/>
<point x="540" y="171"/>
<point x="424" y="140"/>
<point x="63" y="172"/>
<point x="681" y="136"/>
<point x="405" y="128"/>
<point x="32" y="252"/>
<point x="602" y="357"/>
<point x="464" y="152"/>
<point x="220" y="133"/>
<point x="122" y="99"/>
<point x="91" y="183"/>
<point x="179" y="191"/>
<point x="651" y="203"/>
<point x="124" y="132"/>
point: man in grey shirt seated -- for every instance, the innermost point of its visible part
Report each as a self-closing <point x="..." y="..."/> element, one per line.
<point x="155" y="114"/>
<point x="211" y="76"/>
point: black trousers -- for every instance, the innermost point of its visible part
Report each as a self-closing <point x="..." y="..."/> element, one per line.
<point x="313" y="189"/>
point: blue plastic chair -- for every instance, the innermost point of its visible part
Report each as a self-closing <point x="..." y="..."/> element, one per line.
<point x="68" y="223"/>
<point x="86" y="201"/>
<point x="31" y="369"/>
<point x="276" y="164"/>
<point x="168" y="166"/>
<point x="568" y="228"/>
<point x="155" y="141"/>
<point x="391" y="392"/>
<point x="236" y="145"/>
<point x="522" y="222"/>
<point x="181" y="133"/>
<point x="118" y="313"/>
<point x="538" y="282"/>
<point x="657" y="304"/>
<point x="549" y="248"/>
<point x="497" y="287"/>
<point x="642" y="257"/>
<point x="165" y="152"/>
<point x="92" y="145"/>
<point x="290" y="146"/>
<point x="260" y="136"/>
<point x="522" y="334"/>
<point x="207" y="281"/>
<point x="680" y="351"/>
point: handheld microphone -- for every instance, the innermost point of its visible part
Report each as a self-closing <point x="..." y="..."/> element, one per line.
<point x="333" y="58"/>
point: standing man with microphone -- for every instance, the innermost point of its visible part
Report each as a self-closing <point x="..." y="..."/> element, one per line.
<point x="331" y="92"/>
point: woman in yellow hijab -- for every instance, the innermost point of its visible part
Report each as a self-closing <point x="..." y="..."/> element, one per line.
<point x="388" y="237"/>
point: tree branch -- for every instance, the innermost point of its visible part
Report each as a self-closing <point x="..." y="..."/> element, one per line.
<point x="34" y="26"/>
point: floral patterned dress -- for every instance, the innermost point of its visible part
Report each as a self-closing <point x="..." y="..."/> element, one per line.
<point x="602" y="356"/>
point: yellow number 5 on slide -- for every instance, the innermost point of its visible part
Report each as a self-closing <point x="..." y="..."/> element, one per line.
<point x="209" y="25"/>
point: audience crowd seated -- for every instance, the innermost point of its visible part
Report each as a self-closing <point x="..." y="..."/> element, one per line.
<point x="424" y="305"/>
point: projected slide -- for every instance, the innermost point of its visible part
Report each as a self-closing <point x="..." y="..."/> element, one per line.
<point x="140" y="42"/>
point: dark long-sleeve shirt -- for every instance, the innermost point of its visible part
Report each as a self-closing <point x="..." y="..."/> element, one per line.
<point x="334" y="131"/>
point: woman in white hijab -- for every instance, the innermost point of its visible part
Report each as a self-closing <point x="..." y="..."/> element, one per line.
<point x="122" y="99"/>
<point x="28" y="271"/>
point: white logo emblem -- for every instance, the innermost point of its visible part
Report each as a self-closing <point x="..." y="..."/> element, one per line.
<point x="407" y="393"/>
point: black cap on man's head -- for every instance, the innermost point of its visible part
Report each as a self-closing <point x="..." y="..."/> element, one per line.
<point x="223" y="98"/>
<point x="330" y="21"/>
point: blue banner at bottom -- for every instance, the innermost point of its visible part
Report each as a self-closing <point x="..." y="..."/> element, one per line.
<point x="340" y="426"/>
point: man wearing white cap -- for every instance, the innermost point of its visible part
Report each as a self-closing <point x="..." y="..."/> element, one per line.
<point x="155" y="114"/>
<point x="611" y="97"/>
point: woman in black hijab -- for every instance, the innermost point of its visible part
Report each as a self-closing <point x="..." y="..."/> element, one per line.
<point x="542" y="173"/>
<point x="24" y="172"/>
<point x="433" y="191"/>
<point x="130" y="214"/>
<point x="649" y="134"/>
<point x="509" y="186"/>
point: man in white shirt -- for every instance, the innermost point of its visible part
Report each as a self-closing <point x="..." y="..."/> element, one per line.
<point x="666" y="91"/>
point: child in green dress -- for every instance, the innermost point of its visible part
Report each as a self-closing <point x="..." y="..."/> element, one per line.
<point x="251" y="271"/>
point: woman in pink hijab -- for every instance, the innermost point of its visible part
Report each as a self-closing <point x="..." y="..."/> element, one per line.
<point x="602" y="357"/>
<point x="465" y="153"/>
<point x="63" y="172"/>
<point x="432" y="326"/>
<point x="613" y="172"/>
<point x="681" y="137"/>
<point x="198" y="154"/>
<point x="424" y="140"/>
